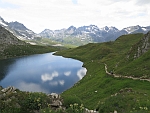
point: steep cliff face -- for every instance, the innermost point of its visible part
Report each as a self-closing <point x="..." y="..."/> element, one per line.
<point x="18" y="29"/>
<point x="7" y="38"/>
<point x="140" y="48"/>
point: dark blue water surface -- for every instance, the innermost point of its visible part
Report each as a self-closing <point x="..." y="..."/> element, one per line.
<point x="41" y="73"/>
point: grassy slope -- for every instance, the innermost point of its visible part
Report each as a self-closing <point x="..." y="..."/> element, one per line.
<point x="21" y="50"/>
<point x="96" y="88"/>
<point x="11" y="46"/>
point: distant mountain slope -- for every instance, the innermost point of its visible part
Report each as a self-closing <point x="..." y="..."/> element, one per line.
<point x="11" y="46"/>
<point x="2" y="22"/>
<point x="92" y="33"/>
<point x="18" y="29"/>
<point x="21" y="30"/>
<point x="72" y="35"/>
<point x="7" y="38"/>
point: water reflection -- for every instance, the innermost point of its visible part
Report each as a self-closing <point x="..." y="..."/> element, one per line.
<point x="43" y="73"/>
<point x="4" y="67"/>
<point x="81" y="72"/>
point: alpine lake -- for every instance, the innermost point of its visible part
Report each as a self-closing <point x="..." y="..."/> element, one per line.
<point x="45" y="73"/>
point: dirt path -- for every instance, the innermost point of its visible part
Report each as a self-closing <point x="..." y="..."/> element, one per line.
<point x="120" y="76"/>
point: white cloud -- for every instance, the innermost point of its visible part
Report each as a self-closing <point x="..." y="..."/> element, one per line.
<point x="53" y="83"/>
<point x="68" y="73"/>
<point x="61" y="82"/>
<point x="56" y="14"/>
<point x="143" y="2"/>
<point x="48" y="77"/>
<point x="81" y="73"/>
<point x="32" y="87"/>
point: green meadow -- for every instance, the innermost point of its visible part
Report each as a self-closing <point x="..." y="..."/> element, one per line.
<point x="103" y="92"/>
<point x="97" y="90"/>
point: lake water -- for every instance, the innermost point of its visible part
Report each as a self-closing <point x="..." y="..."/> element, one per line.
<point x="41" y="73"/>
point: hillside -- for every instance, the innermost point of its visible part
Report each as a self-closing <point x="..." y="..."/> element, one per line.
<point x="71" y="35"/>
<point x="89" y="34"/>
<point x="104" y="92"/>
<point x="11" y="46"/>
<point x="108" y="86"/>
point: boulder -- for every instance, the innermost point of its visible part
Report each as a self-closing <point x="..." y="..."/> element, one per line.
<point x="54" y="95"/>
<point x="8" y="89"/>
<point x="56" y="103"/>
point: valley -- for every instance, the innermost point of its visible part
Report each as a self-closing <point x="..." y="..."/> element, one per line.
<point x="71" y="36"/>
<point x="98" y="90"/>
<point x="11" y="46"/>
<point x="125" y="54"/>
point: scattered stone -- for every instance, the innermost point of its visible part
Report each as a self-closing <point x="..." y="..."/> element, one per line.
<point x="54" y="95"/>
<point x="56" y="103"/>
<point x="56" y="100"/>
<point x="95" y="91"/>
<point x="8" y="89"/>
<point x="115" y="111"/>
<point x="90" y="111"/>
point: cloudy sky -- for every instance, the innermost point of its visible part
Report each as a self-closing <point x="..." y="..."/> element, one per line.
<point x="38" y="15"/>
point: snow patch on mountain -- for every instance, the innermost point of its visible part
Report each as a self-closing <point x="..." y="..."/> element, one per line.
<point x="2" y="23"/>
<point x="87" y="34"/>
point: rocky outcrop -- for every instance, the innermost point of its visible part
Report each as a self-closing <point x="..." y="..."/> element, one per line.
<point x="5" y="91"/>
<point x="7" y="39"/>
<point x="18" y="29"/>
<point x="56" y="100"/>
<point x="7" y="95"/>
<point x="145" y="45"/>
<point x="140" y="48"/>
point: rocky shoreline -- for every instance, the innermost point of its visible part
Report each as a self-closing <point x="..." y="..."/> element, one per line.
<point x="10" y="94"/>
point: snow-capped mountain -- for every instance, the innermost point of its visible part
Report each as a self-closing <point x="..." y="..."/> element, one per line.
<point x="136" y="29"/>
<point x="7" y="38"/>
<point x="2" y="22"/>
<point x="18" y="29"/>
<point x="21" y="30"/>
<point x="92" y="33"/>
<point x="85" y="33"/>
<point x="71" y="35"/>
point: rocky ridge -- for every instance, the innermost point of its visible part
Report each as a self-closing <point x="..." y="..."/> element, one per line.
<point x="7" y="39"/>
<point x="140" y="48"/>
<point x="92" y="33"/>
<point x="18" y="29"/>
<point x="84" y="34"/>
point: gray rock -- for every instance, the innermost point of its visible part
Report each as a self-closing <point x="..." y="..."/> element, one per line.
<point x="57" y="103"/>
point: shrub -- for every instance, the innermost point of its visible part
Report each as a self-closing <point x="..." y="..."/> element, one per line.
<point x="71" y="100"/>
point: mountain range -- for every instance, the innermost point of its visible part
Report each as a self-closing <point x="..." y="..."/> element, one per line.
<point x="92" y="33"/>
<point x="18" y="29"/>
<point x="72" y="35"/>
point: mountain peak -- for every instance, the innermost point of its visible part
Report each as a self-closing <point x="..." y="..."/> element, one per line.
<point x="1" y="18"/>
<point x="18" y="26"/>
<point x="106" y="28"/>
<point x="132" y="29"/>
<point x="71" y="28"/>
<point x="109" y="29"/>
<point x="2" y="22"/>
